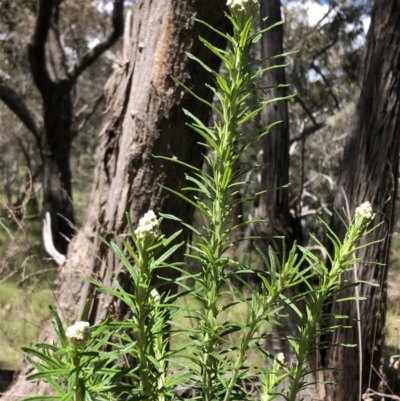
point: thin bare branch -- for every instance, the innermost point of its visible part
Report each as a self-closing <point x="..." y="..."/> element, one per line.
<point x="15" y="103"/>
<point x="316" y="28"/>
<point x="306" y="132"/>
<point x="25" y="152"/>
<point x="318" y="70"/>
<point x="91" y="56"/>
<point x="303" y="105"/>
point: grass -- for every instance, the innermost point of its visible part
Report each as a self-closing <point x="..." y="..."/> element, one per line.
<point x="26" y="280"/>
<point x="23" y="313"/>
<point x="25" y="287"/>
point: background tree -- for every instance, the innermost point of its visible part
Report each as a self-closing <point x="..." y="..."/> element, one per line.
<point x="324" y="77"/>
<point x="145" y="118"/>
<point x="370" y="172"/>
<point x="55" y="74"/>
<point x="273" y="205"/>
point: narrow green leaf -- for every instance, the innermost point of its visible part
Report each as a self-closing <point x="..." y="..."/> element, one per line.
<point x="46" y="358"/>
<point x="85" y="310"/>
<point x="198" y="207"/>
<point x="58" y="327"/>
<point x="200" y="99"/>
<point x="43" y="398"/>
<point x="167" y="254"/>
<point x="223" y="84"/>
<point x="48" y="374"/>
<point x="218" y="52"/>
<point x="200" y="185"/>
<point x="227" y="37"/>
<point x="171" y="159"/>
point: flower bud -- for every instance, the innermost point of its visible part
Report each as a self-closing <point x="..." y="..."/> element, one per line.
<point x="280" y="357"/>
<point x="78" y="333"/>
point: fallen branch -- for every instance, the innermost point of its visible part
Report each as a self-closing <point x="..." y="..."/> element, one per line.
<point x="48" y="243"/>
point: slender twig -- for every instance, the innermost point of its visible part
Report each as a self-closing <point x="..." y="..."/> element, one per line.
<point x="16" y="104"/>
<point x="93" y="54"/>
<point x="306" y="131"/>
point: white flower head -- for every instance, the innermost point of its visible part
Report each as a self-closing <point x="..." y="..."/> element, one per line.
<point x="78" y="333"/>
<point x="242" y="10"/>
<point x="244" y="5"/>
<point x="280" y="357"/>
<point x="364" y="214"/>
<point x="155" y="294"/>
<point x="148" y="229"/>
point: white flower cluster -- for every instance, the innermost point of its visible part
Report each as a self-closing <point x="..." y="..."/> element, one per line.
<point x="364" y="213"/>
<point x="244" y="5"/>
<point x="155" y="294"/>
<point x="243" y="9"/>
<point x="280" y="357"/>
<point x="78" y="333"/>
<point x="148" y="228"/>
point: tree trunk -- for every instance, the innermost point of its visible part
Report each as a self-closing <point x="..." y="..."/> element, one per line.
<point x="273" y="205"/>
<point x="369" y="173"/>
<point x="50" y="73"/>
<point x="145" y="118"/>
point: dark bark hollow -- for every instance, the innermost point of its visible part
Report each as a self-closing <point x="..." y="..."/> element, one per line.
<point x="49" y="70"/>
<point x="56" y="150"/>
<point x="370" y="173"/>
<point x="145" y="118"/>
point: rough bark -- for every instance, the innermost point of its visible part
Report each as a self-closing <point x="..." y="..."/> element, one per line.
<point x="145" y="118"/>
<point x="369" y="173"/>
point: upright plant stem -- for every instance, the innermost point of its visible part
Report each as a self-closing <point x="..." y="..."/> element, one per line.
<point x="78" y="396"/>
<point x="223" y="166"/>
<point x="142" y="338"/>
